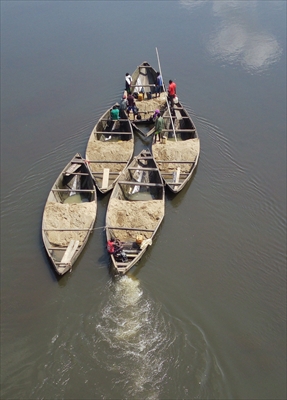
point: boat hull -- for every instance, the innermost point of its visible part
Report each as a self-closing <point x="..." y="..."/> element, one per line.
<point x="178" y="152"/>
<point x="69" y="215"/>
<point x="109" y="149"/>
<point x="135" y="210"/>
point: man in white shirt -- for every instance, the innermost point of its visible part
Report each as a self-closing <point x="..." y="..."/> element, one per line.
<point x="128" y="83"/>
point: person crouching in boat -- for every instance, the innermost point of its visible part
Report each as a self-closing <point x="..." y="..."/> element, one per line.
<point x="115" y="247"/>
<point x="113" y="123"/>
<point x="115" y="112"/>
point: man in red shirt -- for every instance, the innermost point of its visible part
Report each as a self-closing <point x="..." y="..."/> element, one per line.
<point x="171" y="92"/>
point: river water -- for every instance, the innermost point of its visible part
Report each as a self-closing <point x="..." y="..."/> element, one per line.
<point x="203" y="315"/>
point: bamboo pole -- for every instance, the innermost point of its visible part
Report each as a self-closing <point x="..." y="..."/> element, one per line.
<point x="165" y="91"/>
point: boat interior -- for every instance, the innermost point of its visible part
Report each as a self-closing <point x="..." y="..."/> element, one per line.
<point x="144" y="79"/>
<point x="178" y="120"/>
<point x="141" y="182"/>
<point x="76" y="185"/>
<point x="114" y="131"/>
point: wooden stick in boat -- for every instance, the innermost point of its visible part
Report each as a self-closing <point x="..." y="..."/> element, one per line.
<point x="167" y="99"/>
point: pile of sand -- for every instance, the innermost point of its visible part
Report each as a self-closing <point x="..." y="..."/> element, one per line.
<point x="68" y="216"/>
<point x="119" y="151"/>
<point x="186" y="150"/>
<point x="148" y="107"/>
<point x="134" y="214"/>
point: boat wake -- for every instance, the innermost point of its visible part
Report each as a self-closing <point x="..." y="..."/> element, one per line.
<point x="127" y="346"/>
<point x="132" y="339"/>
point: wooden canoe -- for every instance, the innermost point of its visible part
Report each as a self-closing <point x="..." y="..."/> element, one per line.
<point x="69" y="215"/>
<point x="135" y="210"/>
<point x="177" y="158"/>
<point x="144" y="79"/>
<point x="109" y="149"/>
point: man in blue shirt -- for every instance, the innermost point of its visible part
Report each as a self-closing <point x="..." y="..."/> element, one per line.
<point x="158" y="85"/>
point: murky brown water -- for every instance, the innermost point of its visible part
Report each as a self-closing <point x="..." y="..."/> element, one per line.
<point x="203" y="315"/>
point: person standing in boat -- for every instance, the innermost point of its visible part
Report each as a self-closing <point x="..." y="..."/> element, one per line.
<point x="158" y="85"/>
<point x="171" y="92"/>
<point x="128" y="83"/>
<point x="131" y="104"/>
<point x="123" y="106"/>
<point x="158" y="128"/>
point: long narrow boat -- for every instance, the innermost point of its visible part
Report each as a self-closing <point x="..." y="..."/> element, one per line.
<point x="69" y="215"/>
<point x="178" y="153"/>
<point x="109" y="149"/>
<point x="135" y="210"/>
<point x="143" y="87"/>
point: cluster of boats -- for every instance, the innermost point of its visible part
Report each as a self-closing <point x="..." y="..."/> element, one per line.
<point x="137" y="184"/>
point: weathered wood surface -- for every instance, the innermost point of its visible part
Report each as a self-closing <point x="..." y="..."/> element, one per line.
<point x="70" y="251"/>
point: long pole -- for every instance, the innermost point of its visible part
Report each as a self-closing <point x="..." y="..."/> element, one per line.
<point x="165" y="91"/>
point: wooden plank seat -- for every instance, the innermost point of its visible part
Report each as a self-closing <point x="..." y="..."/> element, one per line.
<point x="176" y="176"/>
<point x="178" y="114"/>
<point x="73" y="190"/>
<point x="105" y="181"/>
<point x="76" y="173"/>
<point x="124" y="228"/>
<point x="178" y="130"/>
<point x="175" y="162"/>
<point x="130" y="255"/>
<point x="113" y="133"/>
<point x="70" y="251"/>
<point x="105" y="161"/>
<point x="142" y="169"/>
<point x="72" y="168"/>
<point x="139" y="183"/>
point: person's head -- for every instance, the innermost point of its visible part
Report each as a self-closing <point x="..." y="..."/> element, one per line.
<point x="127" y="74"/>
<point x="157" y="112"/>
<point x="124" y="96"/>
<point x="157" y="73"/>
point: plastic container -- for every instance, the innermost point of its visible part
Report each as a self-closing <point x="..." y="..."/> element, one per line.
<point x="140" y="96"/>
<point x="164" y="139"/>
<point x="139" y="239"/>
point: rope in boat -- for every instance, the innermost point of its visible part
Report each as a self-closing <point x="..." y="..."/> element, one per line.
<point x="165" y="91"/>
